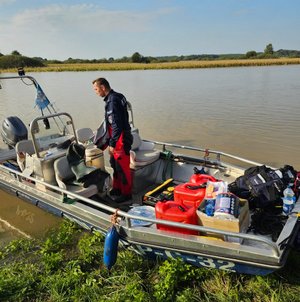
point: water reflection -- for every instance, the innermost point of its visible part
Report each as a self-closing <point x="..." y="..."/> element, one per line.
<point x="21" y="219"/>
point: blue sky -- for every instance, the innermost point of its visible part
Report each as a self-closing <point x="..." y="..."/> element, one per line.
<point x="116" y="28"/>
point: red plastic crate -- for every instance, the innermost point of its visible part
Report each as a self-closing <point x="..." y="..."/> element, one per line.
<point x="177" y="212"/>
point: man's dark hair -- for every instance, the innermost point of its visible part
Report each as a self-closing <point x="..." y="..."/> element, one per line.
<point x="102" y="81"/>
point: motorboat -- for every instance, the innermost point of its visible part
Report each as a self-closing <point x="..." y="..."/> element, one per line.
<point x="166" y="216"/>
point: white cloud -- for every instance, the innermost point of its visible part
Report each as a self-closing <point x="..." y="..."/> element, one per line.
<point x="81" y="17"/>
<point x="60" y="26"/>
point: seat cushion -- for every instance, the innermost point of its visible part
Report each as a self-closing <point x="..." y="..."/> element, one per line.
<point x="136" y="141"/>
<point x="84" y="134"/>
<point x="64" y="176"/>
<point x="142" y="158"/>
<point x="85" y="192"/>
<point x="25" y="146"/>
<point x="63" y="170"/>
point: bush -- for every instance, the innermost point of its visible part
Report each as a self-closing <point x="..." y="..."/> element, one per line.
<point x="251" y="54"/>
<point x="15" y="61"/>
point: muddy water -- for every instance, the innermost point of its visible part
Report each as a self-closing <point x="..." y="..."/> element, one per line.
<point x="21" y="219"/>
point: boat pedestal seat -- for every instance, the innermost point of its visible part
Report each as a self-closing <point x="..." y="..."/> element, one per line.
<point x="22" y="148"/>
<point x="66" y="179"/>
<point x="143" y="162"/>
<point x="142" y="153"/>
<point x="84" y="135"/>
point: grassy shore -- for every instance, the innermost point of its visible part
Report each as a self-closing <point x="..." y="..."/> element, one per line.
<point x="68" y="266"/>
<point x="167" y="65"/>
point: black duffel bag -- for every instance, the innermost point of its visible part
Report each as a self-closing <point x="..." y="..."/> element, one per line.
<point x="263" y="186"/>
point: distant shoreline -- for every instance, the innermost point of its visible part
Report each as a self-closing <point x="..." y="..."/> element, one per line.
<point x="167" y="65"/>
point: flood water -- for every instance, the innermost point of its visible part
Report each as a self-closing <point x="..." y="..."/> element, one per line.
<point x="252" y="112"/>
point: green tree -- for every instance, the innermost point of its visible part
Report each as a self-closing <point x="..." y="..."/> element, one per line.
<point x="15" y="61"/>
<point x="269" y="50"/>
<point x="136" y="58"/>
<point x="15" y="53"/>
<point x="251" y="54"/>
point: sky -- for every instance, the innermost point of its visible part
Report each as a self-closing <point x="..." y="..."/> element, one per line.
<point x="116" y="28"/>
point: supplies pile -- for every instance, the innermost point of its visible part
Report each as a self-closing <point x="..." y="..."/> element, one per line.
<point x="206" y="201"/>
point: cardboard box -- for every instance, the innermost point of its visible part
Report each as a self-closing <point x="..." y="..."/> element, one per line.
<point x="239" y="225"/>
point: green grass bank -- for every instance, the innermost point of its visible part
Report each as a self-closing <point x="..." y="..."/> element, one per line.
<point x="67" y="266"/>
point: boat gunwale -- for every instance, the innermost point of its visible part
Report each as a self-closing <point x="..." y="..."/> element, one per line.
<point x="207" y="151"/>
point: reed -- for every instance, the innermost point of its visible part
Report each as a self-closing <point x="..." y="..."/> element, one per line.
<point x="166" y="65"/>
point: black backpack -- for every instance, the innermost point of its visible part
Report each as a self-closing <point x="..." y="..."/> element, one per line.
<point x="263" y="186"/>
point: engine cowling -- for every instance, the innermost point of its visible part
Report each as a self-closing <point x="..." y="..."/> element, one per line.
<point x="13" y="130"/>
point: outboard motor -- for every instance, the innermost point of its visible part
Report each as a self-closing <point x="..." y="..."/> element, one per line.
<point x="13" y="130"/>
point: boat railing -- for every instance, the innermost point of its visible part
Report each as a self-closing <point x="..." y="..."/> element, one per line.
<point x="128" y="217"/>
<point x="32" y="79"/>
<point x="206" y="152"/>
<point x="34" y="128"/>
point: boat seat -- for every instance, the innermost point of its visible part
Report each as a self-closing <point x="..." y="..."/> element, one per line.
<point x="22" y="148"/>
<point x="64" y="177"/>
<point x="142" y="153"/>
<point x="25" y="146"/>
<point x="84" y="135"/>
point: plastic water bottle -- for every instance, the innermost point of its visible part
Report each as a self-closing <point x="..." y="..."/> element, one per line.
<point x="288" y="199"/>
<point x="210" y="207"/>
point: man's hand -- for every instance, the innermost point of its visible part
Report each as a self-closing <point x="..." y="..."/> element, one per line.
<point x="111" y="150"/>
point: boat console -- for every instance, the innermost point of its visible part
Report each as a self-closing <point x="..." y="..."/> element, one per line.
<point x="37" y="156"/>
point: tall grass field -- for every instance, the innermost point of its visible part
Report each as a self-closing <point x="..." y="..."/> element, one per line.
<point x="167" y="65"/>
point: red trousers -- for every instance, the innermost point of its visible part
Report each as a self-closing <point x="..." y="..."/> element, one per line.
<point x="120" y="162"/>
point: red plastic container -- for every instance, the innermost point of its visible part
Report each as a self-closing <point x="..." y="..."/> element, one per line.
<point x="201" y="178"/>
<point x="177" y="212"/>
<point x="190" y="194"/>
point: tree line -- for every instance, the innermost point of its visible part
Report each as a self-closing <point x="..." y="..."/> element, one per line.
<point x="15" y="59"/>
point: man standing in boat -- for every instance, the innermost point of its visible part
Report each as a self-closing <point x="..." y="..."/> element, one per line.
<point x="120" y="138"/>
